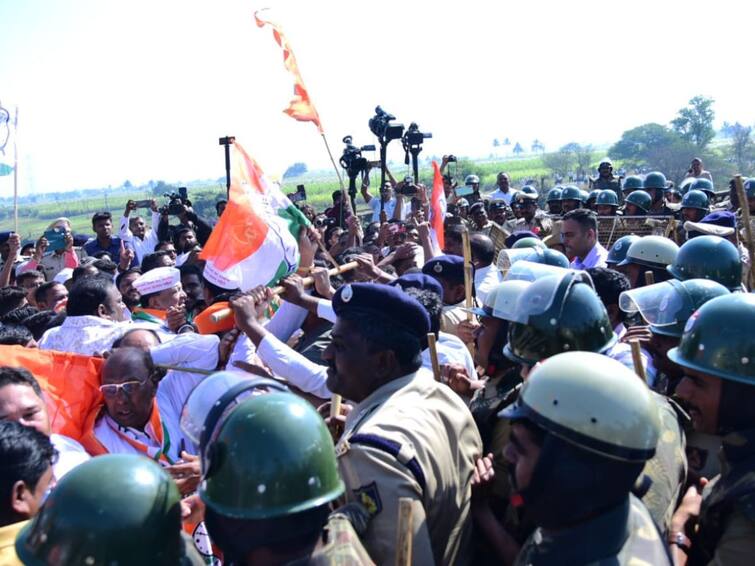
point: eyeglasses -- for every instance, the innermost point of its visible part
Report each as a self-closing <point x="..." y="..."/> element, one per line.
<point x="111" y="390"/>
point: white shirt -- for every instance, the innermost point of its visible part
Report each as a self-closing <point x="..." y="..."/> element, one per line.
<point x="451" y="350"/>
<point x="498" y="194"/>
<point x="595" y="258"/>
<point x="140" y="247"/>
<point x="389" y="207"/>
<point x="70" y="455"/>
<point x="105" y="431"/>
<point x="622" y="353"/>
<point x="485" y="280"/>
<point x="85" y="335"/>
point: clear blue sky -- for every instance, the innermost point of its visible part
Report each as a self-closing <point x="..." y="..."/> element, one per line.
<point x="141" y="90"/>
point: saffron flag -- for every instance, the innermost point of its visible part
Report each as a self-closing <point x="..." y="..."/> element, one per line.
<point x="71" y="383"/>
<point x="301" y="107"/>
<point x="256" y="239"/>
<point x="437" y="209"/>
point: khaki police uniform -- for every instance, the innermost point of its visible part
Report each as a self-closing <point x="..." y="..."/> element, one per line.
<point x="413" y="437"/>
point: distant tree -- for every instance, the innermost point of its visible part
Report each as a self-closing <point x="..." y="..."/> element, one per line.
<point x="742" y="147"/>
<point x="694" y="122"/>
<point x="496" y="143"/>
<point x="638" y="143"/>
<point x="559" y="162"/>
<point x="296" y="170"/>
<point x="127" y="184"/>
<point x="506" y="141"/>
<point x="537" y="145"/>
<point x="518" y="149"/>
<point x="583" y="156"/>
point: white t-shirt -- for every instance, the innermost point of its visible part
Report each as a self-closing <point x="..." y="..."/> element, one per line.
<point x="389" y="207"/>
<point x="498" y="194"/>
<point x="70" y="455"/>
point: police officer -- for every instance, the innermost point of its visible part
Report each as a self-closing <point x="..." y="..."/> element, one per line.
<point x="649" y="253"/>
<point x="618" y="251"/>
<point x="655" y="185"/>
<point x="554" y="201"/>
<point x="448" y="270"/>
<point x="631" y="184"/>
<point x="606" y="203"/>
<point x="637" y="203"/>
<point x="695" y="205"/>
<point x="113" y="509"/>
<point x="575" y="454"/>
<point x="408" y="435"/>
<point x="709" y="257"/>
<point x="592" y="196"/>
<point x="606" y="179"/>
<point x="571" y="198"/>
<point x="532" y="218"/>
<point x="269" y="477"/>
<point x="717" y="353"/>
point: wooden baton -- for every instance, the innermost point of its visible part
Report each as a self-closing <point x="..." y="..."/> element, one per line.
<point x="433" y="347"/>
<point x="639" y="369"/>
<point x="307" y="281"/>
<point x="404" y="532"/>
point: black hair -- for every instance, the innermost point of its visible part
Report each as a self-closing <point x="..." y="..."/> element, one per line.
<point x="41" y="322"/>
<point x="17" y="316"/>
<point x="179" y="231"/>
<point x="87" y="294"/>
<point x="483" y="249"/>
<point x="586" y="218"/>
<point x="152" y="261"/>
<point x="123" y="274"/>
<point x="609" y="284"/>
<point x="191" y="269"/>
<point x="25" y="455"/>
<point x="218" y="203"/>
<point x="11" y="298"/>
<point x="453" y="232"/>
<point x="41" y="291"/>
<point x="29" y="274"/>
<point x="432" y="303"/>
<point x="160" y="244"/>
<point x="18" y="376"/>
<point x="218" y="293"/>
<point x="383" y="333"/>
<point x="104" y="265"/>
<point x="102" y="254"/>
<point x="15" y="335"/>
<point x="80" y="272"/>
<point x="101" y="216"/>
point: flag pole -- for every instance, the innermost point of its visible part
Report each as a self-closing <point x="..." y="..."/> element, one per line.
<point x="227" y="141"/>
<point x="15" y="173"/>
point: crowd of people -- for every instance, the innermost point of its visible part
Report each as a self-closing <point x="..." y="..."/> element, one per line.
<point x="529" y="387"/>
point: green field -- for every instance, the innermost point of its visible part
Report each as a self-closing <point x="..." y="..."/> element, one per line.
<point x="34" y="218"/>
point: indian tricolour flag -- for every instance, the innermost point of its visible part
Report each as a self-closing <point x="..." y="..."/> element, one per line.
<point x="256" y="240"/>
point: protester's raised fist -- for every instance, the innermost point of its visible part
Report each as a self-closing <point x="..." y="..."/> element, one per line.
<point x="130" y="206"/>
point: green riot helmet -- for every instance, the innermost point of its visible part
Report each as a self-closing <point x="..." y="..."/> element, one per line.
<point x="709" y="257"/>
<point x="667" y="306"/>
<point x="619" y="249"/>
<point x="655" y="180"/>
<point x="592" y="196"/>
<point x="593" y="402"/>
<point x="607" y="198"/>
<point x="529" y="242"/>
<point x="704" y="185"/>
<point x="750" y="188"/>
<point x="555" y="314"/>
<point x="548" y="256"/>
<point x="685" y="184"/>
<point x="583" y="195"/>
<point x="570" y="192"/>
<point x="271" y="457"/>
<point x="471" y="180"/>
<point x="640" y="199"/>
<point x="655" y="252"/>
<point x="632" y="183"/>
<point x="695" y="199"/>
<point x="554" y="195"/>
<point x="718" y="339"/>
<point x="114" y="509"/>
<point x="529" y="191"/>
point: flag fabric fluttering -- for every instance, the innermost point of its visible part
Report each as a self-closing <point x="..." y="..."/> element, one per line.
<point x="256" y="239"/>
<point x="301" y="107"/>
<point x="437" y="209"/>
<point x="8" y="125"/>
<point x="69" y="381"/>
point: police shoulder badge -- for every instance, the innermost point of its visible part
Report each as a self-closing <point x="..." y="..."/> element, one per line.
<point x="368" y="496"/>
<point x="438" y="268"/>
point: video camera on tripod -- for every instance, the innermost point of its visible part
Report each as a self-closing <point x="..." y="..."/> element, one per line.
<point x="176" y="202"/>
<point x="412" y="142"/>
<point x="355" y="164"/>
<point x="382" y="126"/>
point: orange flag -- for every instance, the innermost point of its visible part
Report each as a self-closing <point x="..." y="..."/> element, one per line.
<point x="301" y="107"/>
<point x="70" y="382"/>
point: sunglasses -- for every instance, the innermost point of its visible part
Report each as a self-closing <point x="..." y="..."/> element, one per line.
<point x="129" y="388"/>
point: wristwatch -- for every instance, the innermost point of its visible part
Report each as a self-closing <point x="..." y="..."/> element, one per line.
<point x="681" y="540"/>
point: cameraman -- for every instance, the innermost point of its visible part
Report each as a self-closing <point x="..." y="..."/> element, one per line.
<point x="188" y="218"/>
<point x="52" y="262"/>
<point x="390" y="203"/>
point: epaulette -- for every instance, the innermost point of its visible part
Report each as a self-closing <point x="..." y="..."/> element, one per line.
<point x="403" y="453"/>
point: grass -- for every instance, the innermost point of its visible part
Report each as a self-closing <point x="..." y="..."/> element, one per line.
<point x="35" y="217"/>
